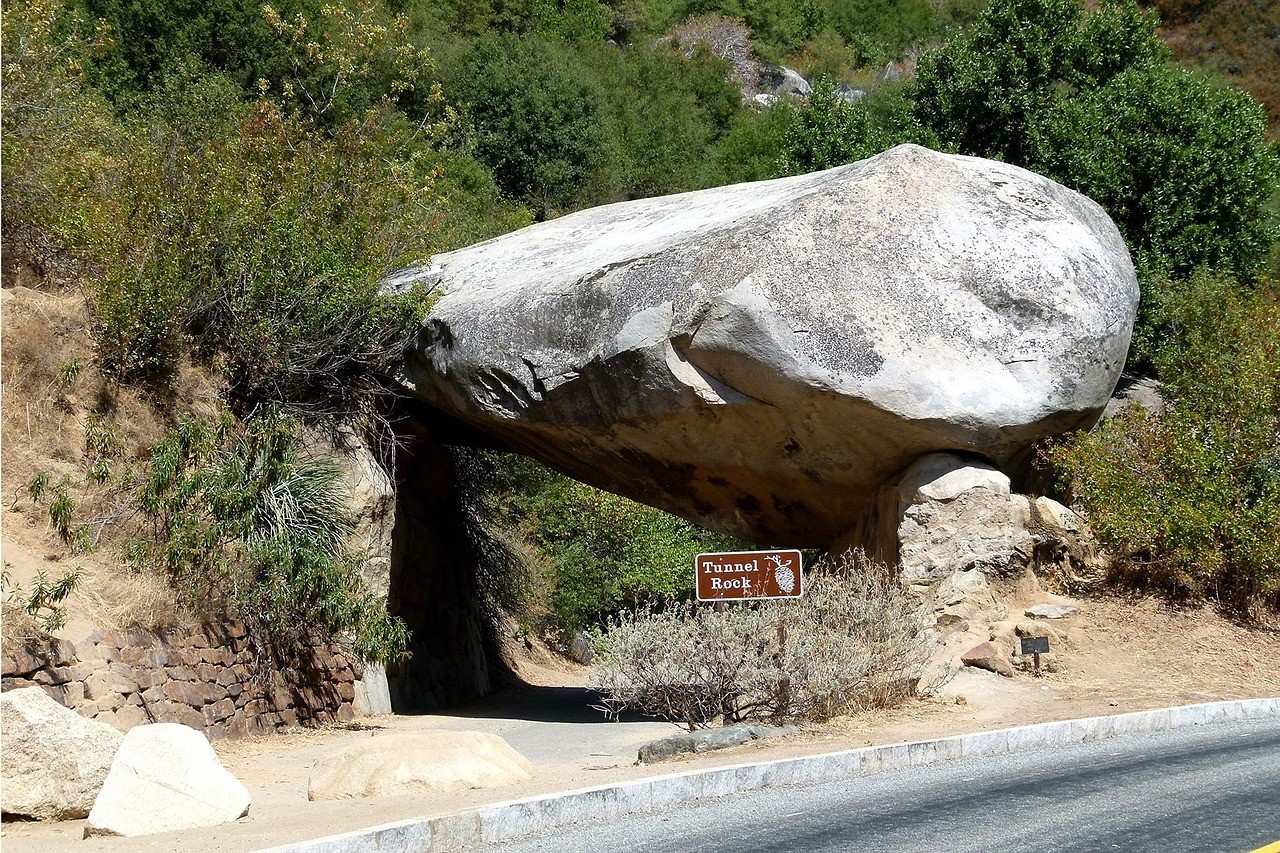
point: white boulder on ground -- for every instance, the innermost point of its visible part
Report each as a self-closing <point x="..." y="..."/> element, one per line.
<point x="397" y="764"/>
<point x="52" y="760"/>
<point x="765" y="358"/>
<point x="166" y="777"/>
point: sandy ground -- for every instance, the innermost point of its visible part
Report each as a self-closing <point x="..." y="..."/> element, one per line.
<point x="1118" y="655"/>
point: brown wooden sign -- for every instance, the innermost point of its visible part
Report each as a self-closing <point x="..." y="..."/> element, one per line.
<point x="748" y="575"/>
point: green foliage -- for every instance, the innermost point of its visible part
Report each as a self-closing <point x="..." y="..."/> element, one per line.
<point x="245" y="522"/>
<point x="749" y="149"/>
<point x="61" y="510"/>
<point x="663" y="116"/>
<point x="99" y="472"/>
<point x="985" y="92"/>
<point x="604" y="552"/>
<point x="828" y="132"/>
<point x="249" y="234"/>
<point x="102" y="438"/>
<point x="1190" y="499"/>
<point x="38" y="486"/>
<point x="1181" y="165"/>
<point x="537" y="116"/>
<point x="68" y="372"/>
<point x="145" y="40"/>
<point x="44" y="603"/>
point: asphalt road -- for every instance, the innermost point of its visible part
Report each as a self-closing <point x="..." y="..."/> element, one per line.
<point x="1212" y="788"/>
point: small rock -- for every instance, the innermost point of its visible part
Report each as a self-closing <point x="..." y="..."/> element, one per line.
<point x="53" y="760"/>
<point x="848" y="94"/>
<point x="786" y="81"/>
<point x="165" y="777"/>
<point x="580" y="649"/>
<point x="1133" y="390"/>
<point x="707" y="740"/>
<point x="987" y="656"/>
<point x="1038" y="629"/>
<point x="396" y="764"/>
<point x="1051" y="611"/>
<point x="764" y="100"/>
<point x="372" y="692"/>
<point x="952" y="622"/>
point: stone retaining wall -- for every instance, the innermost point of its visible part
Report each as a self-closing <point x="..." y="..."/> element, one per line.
<point x="213" y="678"/>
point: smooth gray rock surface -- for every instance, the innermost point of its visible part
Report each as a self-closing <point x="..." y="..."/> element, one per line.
<point x="1051" y="611"/>
<point x="54" y="761"/>
<point x="1133" y="390"/>
<point x="165" y="777"/>
<point x="786" y="81"/>
<point x="762" y="358"/>
<point x="707" y="740"/>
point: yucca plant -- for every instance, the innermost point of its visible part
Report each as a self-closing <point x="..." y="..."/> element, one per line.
<point x="244" y="520"/>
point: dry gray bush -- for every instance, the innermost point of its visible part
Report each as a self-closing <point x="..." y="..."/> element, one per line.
<point x="854" y="641"/>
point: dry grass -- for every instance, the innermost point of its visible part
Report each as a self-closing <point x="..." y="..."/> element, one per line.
<point x="52" y="396"/>
<point x="852" y="642"/>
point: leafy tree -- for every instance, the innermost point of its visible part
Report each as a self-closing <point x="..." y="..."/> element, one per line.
<point x="1087" y="98"/>
<point x="664" y="115"/>
<point x="537" y="117"/>
<point x="143" y="40"/>
<point x="749" y="150"/>
<point x="882" y="29"/>
<point x="986" y="90"/>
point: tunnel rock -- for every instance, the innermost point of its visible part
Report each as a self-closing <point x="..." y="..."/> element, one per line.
<point x="764" y="358"/>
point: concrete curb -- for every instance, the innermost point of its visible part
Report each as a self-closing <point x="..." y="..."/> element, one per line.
<point x="506" y="821"/>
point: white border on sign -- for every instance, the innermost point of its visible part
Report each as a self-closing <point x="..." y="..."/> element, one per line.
<point x="799" y="574"/>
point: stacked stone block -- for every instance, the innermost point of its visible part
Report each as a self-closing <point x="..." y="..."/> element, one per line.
<point x="213" y="678"/>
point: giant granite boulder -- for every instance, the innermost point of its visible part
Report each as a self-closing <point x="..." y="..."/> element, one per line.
<point x="763" y="358"/>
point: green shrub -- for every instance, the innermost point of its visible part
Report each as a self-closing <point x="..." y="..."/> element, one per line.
<point x="664" y="115"/>
<point x="1190" y="499"/>
<point x="1181" y="165"/>
<point x="43" y="607"/>
<point x="145" y="40"/>
<point x="537" y="117"/>
<point x="828" y="132"/>
<point x="245" y="523"/>
<point x="986" y="90"/>
<point x="604" y="552"/>
<point x="61" y="513"/>
<point x="252" y="234"/>
<point x="751" y="147"/>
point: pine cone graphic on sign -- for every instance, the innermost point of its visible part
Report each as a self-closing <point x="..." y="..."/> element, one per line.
<point x="784" y="575"/>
